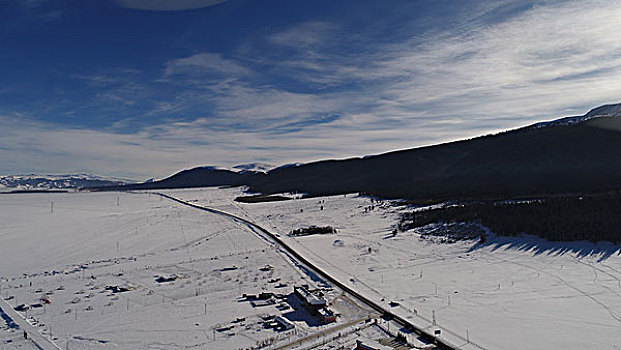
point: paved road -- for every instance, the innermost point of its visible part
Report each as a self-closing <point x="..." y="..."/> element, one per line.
<point x="35" y="337"/>
<point x="423" y="332"/>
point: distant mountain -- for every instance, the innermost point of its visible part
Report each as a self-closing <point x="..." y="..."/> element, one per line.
<point x="569" y="155"/>
<point x="613" y="110"/>
<point x="50" y="182"/>
<point x="197" y="177"/>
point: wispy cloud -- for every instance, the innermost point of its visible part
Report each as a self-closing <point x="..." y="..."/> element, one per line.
<point x="206" y="64"/>
<point x="315" y="90"/>
<point x="305" y="36"/>
<point x="544" y="60"/>
<point x="537" y="62"/>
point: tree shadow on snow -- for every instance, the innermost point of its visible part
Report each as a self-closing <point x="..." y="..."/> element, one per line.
<point x="539" y="246"/>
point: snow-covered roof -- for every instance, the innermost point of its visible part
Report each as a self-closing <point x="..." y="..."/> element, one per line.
<point x="309" y="297"/>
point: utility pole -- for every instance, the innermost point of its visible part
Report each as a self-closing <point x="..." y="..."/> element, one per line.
<point x="52" y="207"/>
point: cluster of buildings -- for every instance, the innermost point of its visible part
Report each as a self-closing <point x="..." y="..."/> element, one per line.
<point x="314" y="304"/>
<point x="312" y="301"/>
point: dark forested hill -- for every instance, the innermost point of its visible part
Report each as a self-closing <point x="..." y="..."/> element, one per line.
<point x="582" y="156"/>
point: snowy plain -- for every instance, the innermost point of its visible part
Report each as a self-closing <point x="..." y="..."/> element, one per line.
<point x="96" y="257"/>
<point x="509" y="293"/>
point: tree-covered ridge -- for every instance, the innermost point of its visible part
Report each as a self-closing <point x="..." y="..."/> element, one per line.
<point x="594" y="217"/>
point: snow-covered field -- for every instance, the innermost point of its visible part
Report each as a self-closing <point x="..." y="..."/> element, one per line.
<point x="520" y="293"/>
<point x="510" y="293"/>
<point x="96" y="257"/>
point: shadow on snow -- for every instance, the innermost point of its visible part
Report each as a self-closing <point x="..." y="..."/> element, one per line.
<point x="539" y="246"/>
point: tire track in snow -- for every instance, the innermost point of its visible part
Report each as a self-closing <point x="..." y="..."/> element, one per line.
<point x="586" y="294"/>
<point x="595" y="268"/>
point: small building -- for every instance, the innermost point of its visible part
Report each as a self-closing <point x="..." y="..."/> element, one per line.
<point x="262" y="302"/>
<point x="229" y="268"/>
<point x="326" y="315"/>
<point x="267" y="268"/>
<point x="249" y="296"/>
<point x="283" y="323"/>
<point x="164" y="279"/>
<point x="393" y="304"/>
<point x="370" y="345"/>
<point x="22" y="307"/>
<point x="265" y="295"/>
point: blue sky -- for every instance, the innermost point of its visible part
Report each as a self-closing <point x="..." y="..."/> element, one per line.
<point x="143" y="88"/>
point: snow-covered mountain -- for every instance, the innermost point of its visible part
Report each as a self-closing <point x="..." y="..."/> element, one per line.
<point x="613" y="110"/>
<point x="253" y="167"/>
<point x="50" y="182"/>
